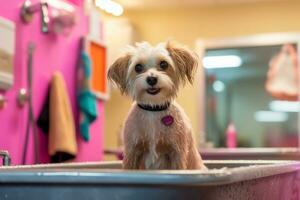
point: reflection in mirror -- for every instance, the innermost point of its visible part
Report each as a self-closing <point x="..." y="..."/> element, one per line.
<point x="237" y="100"/>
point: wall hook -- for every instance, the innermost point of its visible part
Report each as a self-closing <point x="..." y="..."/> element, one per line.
<point x="28" y="9"/>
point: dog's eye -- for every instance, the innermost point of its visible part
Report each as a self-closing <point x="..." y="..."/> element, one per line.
<point x="163" y="65"/>
<point x="138" y="68"/>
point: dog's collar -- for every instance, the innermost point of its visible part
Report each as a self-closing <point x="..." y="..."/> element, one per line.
<point x="154" y="107"/>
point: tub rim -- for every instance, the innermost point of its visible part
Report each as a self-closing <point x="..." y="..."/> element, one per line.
<point x="90" y="173"/>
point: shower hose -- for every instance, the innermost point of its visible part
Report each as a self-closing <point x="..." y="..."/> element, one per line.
<point x="30" y="119"/>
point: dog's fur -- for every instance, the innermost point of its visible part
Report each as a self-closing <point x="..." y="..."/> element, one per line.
<point x="148" y="143"/>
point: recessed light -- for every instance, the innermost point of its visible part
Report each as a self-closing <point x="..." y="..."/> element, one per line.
<point x="218" y="86"/>
<point x="270" y="116"/>
<point x="285" y="106"/>
<point x="228" y="61"/>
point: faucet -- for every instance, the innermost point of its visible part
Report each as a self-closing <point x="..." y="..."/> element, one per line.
<point x="28" y="9"/>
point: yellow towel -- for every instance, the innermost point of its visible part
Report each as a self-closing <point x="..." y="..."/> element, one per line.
<point x="62" y="140"/>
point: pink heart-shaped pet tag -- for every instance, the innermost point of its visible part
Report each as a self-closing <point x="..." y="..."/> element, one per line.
<point x="167" y="120"/>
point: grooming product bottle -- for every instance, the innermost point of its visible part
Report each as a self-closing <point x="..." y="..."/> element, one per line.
<point x="231" y="136"/>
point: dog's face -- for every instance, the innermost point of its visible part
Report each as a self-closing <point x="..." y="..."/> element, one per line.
<point x="152" y="75"/>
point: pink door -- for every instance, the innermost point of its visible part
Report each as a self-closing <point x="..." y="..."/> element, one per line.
<point x="52" y="53"/>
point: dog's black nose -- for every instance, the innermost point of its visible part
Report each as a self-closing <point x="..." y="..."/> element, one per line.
<point x="151" y="80"/>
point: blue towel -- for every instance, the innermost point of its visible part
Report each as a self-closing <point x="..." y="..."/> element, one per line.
<point x="87" y="101"/>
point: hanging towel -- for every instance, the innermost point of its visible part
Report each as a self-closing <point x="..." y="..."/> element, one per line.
<point x="282" y="78"/>
<point x="62" y="141"/>
<point x="86" y="99"/>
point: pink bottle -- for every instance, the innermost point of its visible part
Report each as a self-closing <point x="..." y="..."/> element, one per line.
<point x="231" y="136"/>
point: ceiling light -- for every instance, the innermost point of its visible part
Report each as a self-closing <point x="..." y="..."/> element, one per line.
<point x="110" y="6"/>
<point x="285" y="106"/>
<point x="270" y="116"/>
<point x="218" y="86"/>
<point x="227" y="61"/>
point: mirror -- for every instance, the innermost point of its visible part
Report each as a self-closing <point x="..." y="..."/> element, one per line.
<point x="236" y="97"/>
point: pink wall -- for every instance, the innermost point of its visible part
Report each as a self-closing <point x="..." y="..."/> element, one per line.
<point x="52" y="53"/>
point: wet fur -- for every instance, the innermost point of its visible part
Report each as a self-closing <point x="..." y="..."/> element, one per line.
<point x="148" y="143"/>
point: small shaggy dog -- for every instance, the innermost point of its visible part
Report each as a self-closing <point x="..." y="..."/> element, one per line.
<point x="157" y="132"/>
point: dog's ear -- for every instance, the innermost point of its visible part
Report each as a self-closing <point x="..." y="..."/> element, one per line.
<point x="118" y="71"/>
<point x="185" y="60"/>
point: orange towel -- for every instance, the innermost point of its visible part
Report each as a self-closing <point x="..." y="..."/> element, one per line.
<point x="62" y="140"/>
